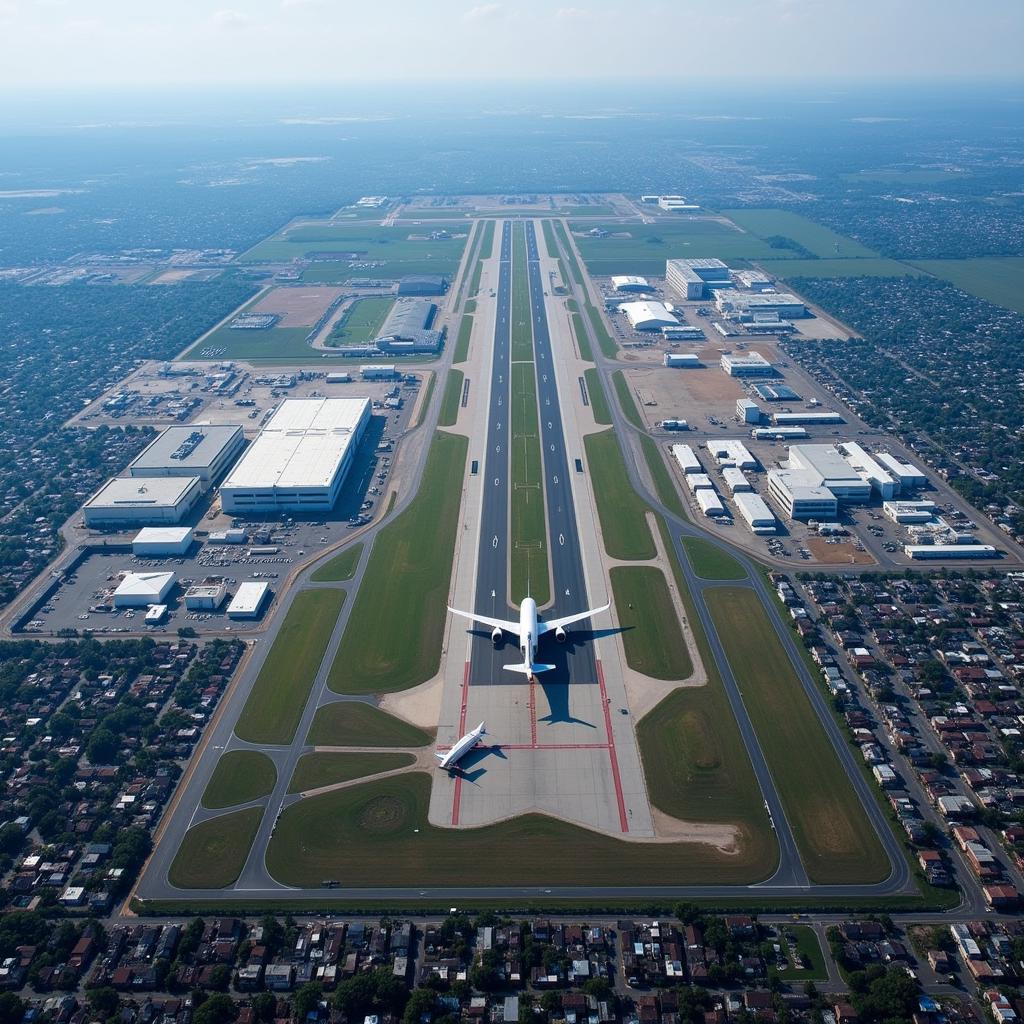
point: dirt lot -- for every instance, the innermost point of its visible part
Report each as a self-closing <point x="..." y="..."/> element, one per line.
<point x="843" y="551"/>
<point x="297" y="306"/>
<point x="173" y="276"/>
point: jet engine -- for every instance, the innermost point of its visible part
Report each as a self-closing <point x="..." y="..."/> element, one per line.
<point x="560" y="635"/>
<point x="496" y="636"/>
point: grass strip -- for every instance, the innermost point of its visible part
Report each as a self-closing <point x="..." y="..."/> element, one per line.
<point x="421" y="415"/>
<point x="353" y="723"/>
<point x="452" y="398"/>
<point x="653" y="639"/>
<point x="582" y="341"/>
<point x="328" y="769"/>
<point x="240" y="776"/>
<point x="604" y="339"/>
<point x="598" y="399"/>
<point x="521" y="324"/>
<point x="462" y="340"/>
<point x="279" y="695"/>
<point x="664" y="485"/>
<point x="626" y="400"/>
<point x="710" y="562"/>
<point x="486" y="251"/>
<point x="213" y="853"/>
<point x="570" y="253"/>
<point x="406" y="585"/>
<point x="619" y="508"/>
<point x="808" y="951"/>
<point x="837" y="843"/>
<point x="341" y="567"/>
<point x="377" y="833"/>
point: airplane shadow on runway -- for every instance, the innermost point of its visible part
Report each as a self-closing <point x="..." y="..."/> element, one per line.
<point x="471" y="769"/>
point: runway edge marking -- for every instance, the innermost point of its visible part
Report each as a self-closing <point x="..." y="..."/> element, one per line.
<point x="620" y="799"/>
<point x="462" y="732"/>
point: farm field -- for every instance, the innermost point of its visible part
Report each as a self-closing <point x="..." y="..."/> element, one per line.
<point x="279" y="695"/>
<point x="341" y="567"/>
<point x="361" y="322"/>
<point x="283" y="343"/>
<point x="406" y="581"/>
<point x="377" y="833"/>
<point x="998" y="279"/>
<point x="837" y="844"/>
<point x="328" y="769"/>
<point x="653" y="639"/>
<point x="240" y="776"/>
<point x="619" y="508"/>
<point x="213" y="853"/>
<point x="822" y="241"/>
<point x="354" y="723"/>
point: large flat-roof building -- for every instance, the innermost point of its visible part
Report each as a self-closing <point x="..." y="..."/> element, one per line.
<point x="202" y="449"/>
<point x="869" y="469"/>
<point x="160" y="541"/>
<point x="248" y="600"/>
<point x="801" y="495"/>
<point x="151" y="501"/>
<point x="407" y="328"/>
<point x="833" y="471"/>
<point x="140" y="589"/>
<point x="690" y="278"/>
<point x="300" y="459"/>
<point x="423" y="284"/>
<point x="748" y="306"/>
<point x="746" y="364"/>
<point x="630" y="283"/>
<point x="648" y="316"/>
<point x="908" y="475"/>
<point x="755" y="512"/>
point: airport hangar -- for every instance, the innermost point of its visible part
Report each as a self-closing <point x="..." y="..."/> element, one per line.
<point x="300" y="458"/>
<point x="201" y="449"/>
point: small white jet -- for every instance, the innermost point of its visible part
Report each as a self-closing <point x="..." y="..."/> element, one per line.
<point x="529" y="629"/>
<point x="451" y="758"/>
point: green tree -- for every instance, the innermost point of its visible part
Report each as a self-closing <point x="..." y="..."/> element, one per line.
<point x="307" y="998"/>
<point x="216" y="1009"/>
<point x="103" y="1002"/>
<point x="12" y="1008"/>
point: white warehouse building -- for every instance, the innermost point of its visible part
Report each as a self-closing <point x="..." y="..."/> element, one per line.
<point x="906" y="473"/>
<point x="755" y="512"/>
<point x="157" y="541"/>
<point x="648" y="316"/>
<point x="141" y="589"/>
<point x="755" y="305"/>
<point x="746" y="364"/>
<point x="300" y="459"/>
<point x="630" y="283"/>
<point x="690" y="278"/>
<point x="151" y="501"/>
<point x="686" y="458"/>
<point x="868" y="469"/>
<point x="202" y="450"/>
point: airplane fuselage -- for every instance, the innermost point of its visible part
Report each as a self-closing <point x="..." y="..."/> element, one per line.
<point x="528" y="632"/>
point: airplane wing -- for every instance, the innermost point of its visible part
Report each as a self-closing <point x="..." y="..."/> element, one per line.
<point x="502" y="624"/>
<point x="548" y="625"/>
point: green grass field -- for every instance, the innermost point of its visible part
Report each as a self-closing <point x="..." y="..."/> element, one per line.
<point x="353" y="723"/>
<point x="529" y="574"/>
<point x="574" y="266"/>
<point x="867" y="267"/>
<point x="598" y="399"/>
<point x="822" y="241"/>
<point x="452" y="398"/>
<point x="362" y="321"/>
<point x="917" y="177"/>
<point x="619" y="508"/>
<point x="626" y="400"/>
<point x="316" y="770"/>
<point x="240" y="776"/>
<point x="213" y="853"/>
<point x="279" y="695"/>
<point x="582" y="340"/>
<point x="605" y="341"/>
<point x="711" y="562"/>
<point x="521" y="327"/>
<point x="807" y="947"/>
<point x="341" y="567"/>
<point x="836" y="841"/>
<point x="406" y="585"/>
<point x="486" y="250"/>
<point x="284" y="343"/>
<point x="998" y="279"/>
<point x="664" y="485"/>
<point x="644" y="248"/>
<point x="377" y="833"/>
<point x="462" y="339"/>
<point x="653" y="640"/>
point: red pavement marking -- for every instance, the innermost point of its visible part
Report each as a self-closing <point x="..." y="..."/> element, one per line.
<point x="533" y="710"/>
<point x="623" y="820"/>
<point x="462" y="732"/>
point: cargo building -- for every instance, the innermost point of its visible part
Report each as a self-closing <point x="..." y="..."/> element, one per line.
<point x="747" y="364"/>
<point x="161" y="541"/>
<point x="130" y="501"/>
<point x="690" y="278"/>
<point x="755" y="512"/>
<point x="202" y="450"/>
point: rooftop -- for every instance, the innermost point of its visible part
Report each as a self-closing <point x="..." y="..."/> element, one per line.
<point x="196" y="445"/>
<point x="142" y="492"/>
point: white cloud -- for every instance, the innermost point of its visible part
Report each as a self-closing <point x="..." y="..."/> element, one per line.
<point x="571" y="13"/>
<point x="482" y="12"/>
<point x="230" y="19"/>
<point x="291" y="5"/>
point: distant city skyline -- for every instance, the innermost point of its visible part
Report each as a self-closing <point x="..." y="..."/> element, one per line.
<point x="48" y="44"/>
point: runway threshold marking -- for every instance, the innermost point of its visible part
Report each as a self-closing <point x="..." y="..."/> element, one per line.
<point x="457" y="795"/>
<point x="616" y="777"/>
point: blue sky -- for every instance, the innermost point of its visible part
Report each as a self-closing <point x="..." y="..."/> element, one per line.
<point x="85" y="43"/>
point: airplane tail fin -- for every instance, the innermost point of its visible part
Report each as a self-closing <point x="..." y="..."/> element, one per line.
<point x="528" y="670"/>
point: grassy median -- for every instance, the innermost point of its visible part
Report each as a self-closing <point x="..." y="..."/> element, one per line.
<point x="352" y="723"/>
<point x="240" y="776"/>
<point x="623" y="524"/>
<point x="213" y="853"/>
<point x="664" y="485"/>
<point x="316" y="770"/>
<point x="598" y="399"/>
<point x="710" y="562"/>
<point x="626" y="400"/>
<point x="462" y="340"/>
<point x="377" y="833"/>
<point x="341" y="567"/>
<point x="451" y="400"/>
<point x="393" y="637"/>
<point x="279" y="695"/>
<point x="653" y="639"/>
<point x="837" y="843"/>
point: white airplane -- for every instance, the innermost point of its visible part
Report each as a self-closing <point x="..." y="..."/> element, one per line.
<point x="529" y="629"/>
<point x="450" y="760"/>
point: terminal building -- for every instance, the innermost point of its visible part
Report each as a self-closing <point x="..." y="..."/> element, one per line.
<point x="747" y="364"/>
<point x="131" y="501"/>
<point x="648" y="316"/>
<point x="690" y="279"/>
<point x="300" y="459"/>
<point x="202" y="450"/>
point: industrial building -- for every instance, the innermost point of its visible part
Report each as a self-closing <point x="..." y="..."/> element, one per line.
<point x="248" y="600"/>
<point x="378" y="371"/>
<point x="742" y="307"/>
<point x="423" y="284"/>
<point x="747" y="411"/>
<point x="756" y="513"/>
<point x="206" y="596"/>
<point x="776" y="393"/>
<point x="868" y="469"/>
<point x="648" y="316"/>
<point x="809" y="419"/>
<point x="300" y="458"/>
<point x="683" y="332"/>
<point x="940" y="551"/>
<point x="733" y="453"/>
<point x="709" y="502"/>
<point x="698" y="481"/>
<point x="735" y="479"/>
<point x="686" y="458"/>
<point x="685" y="360"/>
<point x="161" y="541"/>
<point x="406" y="328"/>
<point x="690" y="278"/>
<point x="833" y="471"/>
<point x="141" y="589"/>
<point x="202" y="450"/>
<point x="800" y="495"/>
<point x="337" y="377"/>
<point x="630" y="283"/>
<point x="779" y="433"/>
<point x="906" y="512"/>
<point x="747" y="364"/>
<point x="906" y="473"/>
<point x="150" y="501"/>
<point x="676" y="204"/>
<point x="754" y="281"/>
